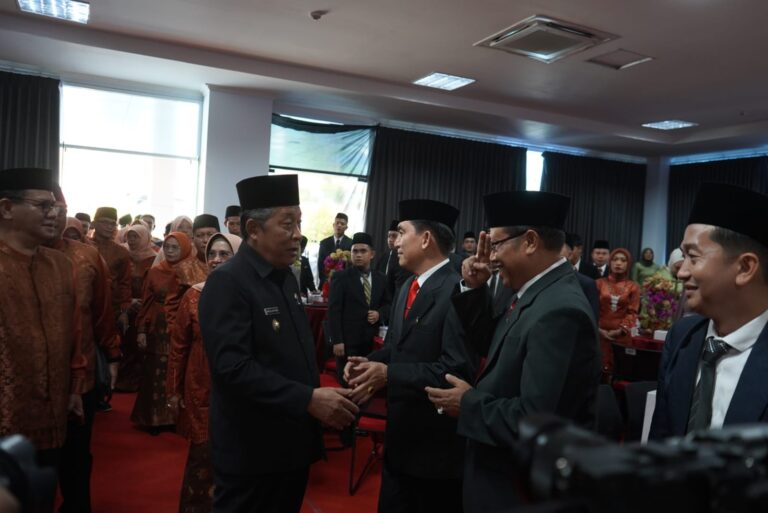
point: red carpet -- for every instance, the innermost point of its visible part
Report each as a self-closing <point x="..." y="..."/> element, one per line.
<point x="136" y="473"/>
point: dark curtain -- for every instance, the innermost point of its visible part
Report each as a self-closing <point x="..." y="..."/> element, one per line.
<point x="607" y="198"/>
<point x="29" y="121"/>
<point x="684" y="181"/>
<point x="407" y="165"/>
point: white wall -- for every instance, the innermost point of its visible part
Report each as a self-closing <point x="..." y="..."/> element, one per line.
<point x="235" y="144"/>
<point x="655" y="208"/>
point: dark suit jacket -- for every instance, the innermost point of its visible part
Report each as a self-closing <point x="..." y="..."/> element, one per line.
<point x="677" y="379"/>
<point x="263" y="369"/>
<point x="348" y="310"/>
<point x="589" y="287"/>
<point x="307" y="279"/>
<point x="543" y="357"/>
<point x="419" y="351"/>
<point x="396" y="275"/>
<point x="588" y="269"/>
<point x="328" y="246"/>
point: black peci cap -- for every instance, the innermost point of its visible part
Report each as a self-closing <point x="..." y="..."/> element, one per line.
<point x="25" y="178"/>
<point x="362" y="238"/>
<point x="268" y="191"/>
<point x="206" y="221"/>
<point x="733" y="208"/>
<point x="526" y="208"/>
<point x="428" y="210"/>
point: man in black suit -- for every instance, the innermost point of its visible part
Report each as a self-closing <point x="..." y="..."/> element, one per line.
<point x="579" y="264"/>
<point x="423" y="456"/>
<point x="714" y="363"/>
<point x="330" y="244"/>
<point x="306" y="279"/>
<point x="232" y="219"/>
<point x="601" y="251"/>
<point x="358" y="304"/>
<point x="266" y="406"/>
<point x="543" y="354"/>
<point x="389" y="265"/>
<point x="587" y="284"/>
<point x="468" y="245"/>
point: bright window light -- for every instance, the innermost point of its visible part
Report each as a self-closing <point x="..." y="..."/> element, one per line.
<point x="670" y="124"/>
<point x="534" y="167"/>
<point x="71" y="10"/>
<point x="443" y="81"/>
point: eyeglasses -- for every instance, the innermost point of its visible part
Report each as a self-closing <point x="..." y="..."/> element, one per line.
<point x="496" y="244"/>
<point x="44" y="206"/>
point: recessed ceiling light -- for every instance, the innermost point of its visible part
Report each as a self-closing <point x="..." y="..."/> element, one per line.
<point x="671" y="124"/>
<point x="71" y="10"/>
<point x="443" y="81"/>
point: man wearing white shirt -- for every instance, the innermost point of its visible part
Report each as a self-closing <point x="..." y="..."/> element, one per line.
<point x="542" y="355"/>
<point x="423" y="456"/>
<point x="330" y="244"/>
<point x="714" y="365"/>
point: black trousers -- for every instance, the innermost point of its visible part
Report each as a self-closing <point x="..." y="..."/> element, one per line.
<point x="407" y="494"/>
<point x="267" y="493"/>
<point x="77" y="461"/>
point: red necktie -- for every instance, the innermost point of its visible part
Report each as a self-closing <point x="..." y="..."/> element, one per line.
<point x="411" y="297"/>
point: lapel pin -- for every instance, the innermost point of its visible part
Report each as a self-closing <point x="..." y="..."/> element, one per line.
<point x="275" y="325"/>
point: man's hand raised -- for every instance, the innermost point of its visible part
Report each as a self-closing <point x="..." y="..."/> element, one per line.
<point x="331" y="407"/>
<point x="476" y="270"/>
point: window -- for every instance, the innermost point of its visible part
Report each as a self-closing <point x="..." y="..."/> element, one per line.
<point x="322" y="197"/>
<point x="534" y="167"/>
<point x="139" y="154"/>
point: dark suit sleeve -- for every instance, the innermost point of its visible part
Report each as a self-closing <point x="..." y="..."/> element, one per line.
<point x="386" y="302"/>
<point x="407" y="380"/>
<point x="475" y="309"/>
<point x="553" y="344"/>
<point x="227" y="329"/>
<point x="660" y="427"/>
<point x="321" y="254"/>
<point x="307" y="278"/>
<point x="336" y="308"/>
<point x="593" y="296"/>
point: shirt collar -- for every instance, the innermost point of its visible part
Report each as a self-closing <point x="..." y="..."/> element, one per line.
<point x="262" y="266"/>
<point x="429" y="272"/>
<point x="744" y="337"/>
<point x="536" y="278"/>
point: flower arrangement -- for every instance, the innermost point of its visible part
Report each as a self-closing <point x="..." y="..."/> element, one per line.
<point x="336" y="261"/>
<point x="659" y="303"/>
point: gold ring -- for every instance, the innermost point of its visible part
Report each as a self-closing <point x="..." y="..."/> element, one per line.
<point x="370" y="389"/>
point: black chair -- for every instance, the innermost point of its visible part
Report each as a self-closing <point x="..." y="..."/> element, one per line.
<point x="608" y="421"/>
<point x="636" y="394"/>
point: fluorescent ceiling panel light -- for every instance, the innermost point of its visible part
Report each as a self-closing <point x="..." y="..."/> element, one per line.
<point x="670" y="124"/>
<point x="70" y="10"/>
<point x="443" y="81"/>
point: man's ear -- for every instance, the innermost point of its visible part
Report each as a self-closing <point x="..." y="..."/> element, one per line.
<point x="749" y="269"/>
<point x="6" y="206"/>
<point x="252" y="229"/>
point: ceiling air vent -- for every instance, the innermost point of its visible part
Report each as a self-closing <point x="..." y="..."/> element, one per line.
<point x="545" y="39"/>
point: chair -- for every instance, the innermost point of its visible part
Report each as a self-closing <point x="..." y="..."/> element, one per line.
<point x="373" y="421"/>
<point x="608" y="420"/>
<point x="636" y="395"/>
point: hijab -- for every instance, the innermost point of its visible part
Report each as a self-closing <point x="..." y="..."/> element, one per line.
<point x="73" y="222"/>
<point x="234" y="242"/>
<point x="643" y="261"/>
<point x="623" y="276"/>
<point x="144" y="250"/>
<point x="186" y="251"/>
<point x="160" y="258"/>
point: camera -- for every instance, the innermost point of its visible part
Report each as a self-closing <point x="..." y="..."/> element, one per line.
<point x="568" y="469"/>
<point x="32" y="487"/>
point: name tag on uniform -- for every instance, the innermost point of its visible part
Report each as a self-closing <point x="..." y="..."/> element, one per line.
<point x="272" y="310"/>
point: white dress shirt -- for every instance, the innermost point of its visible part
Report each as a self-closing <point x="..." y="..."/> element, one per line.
<point x="429" y="272"/>
<point x="539" y="276"/>
<point x="730" y="366"/>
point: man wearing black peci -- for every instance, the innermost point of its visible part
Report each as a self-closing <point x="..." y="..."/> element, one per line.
<point x="423" y="455"/>
<point x="389" y="264"/>
<point x="358" y="303"/>
<point x="266" y="406"/>
<point x="542" y="354"/>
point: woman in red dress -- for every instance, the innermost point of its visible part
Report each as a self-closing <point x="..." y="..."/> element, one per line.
<point x="188" y="384"/>
<point x="139" y="242"/>
<point x="151" y="409"/>
<point x="619" y="306"/>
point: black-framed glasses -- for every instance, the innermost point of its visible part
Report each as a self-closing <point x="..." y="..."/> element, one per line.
<point x="496" y="244"/>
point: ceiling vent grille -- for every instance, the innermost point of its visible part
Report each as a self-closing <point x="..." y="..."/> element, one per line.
<point x="545" y="39"/>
